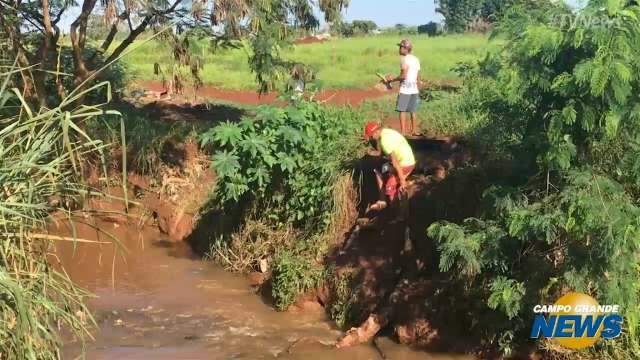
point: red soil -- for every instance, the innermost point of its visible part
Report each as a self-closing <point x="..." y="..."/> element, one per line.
<point x="353" y="97"/>
<point x="309" y="40"/>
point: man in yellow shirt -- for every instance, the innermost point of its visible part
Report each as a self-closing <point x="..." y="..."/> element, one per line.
<point x="394" y="145"/>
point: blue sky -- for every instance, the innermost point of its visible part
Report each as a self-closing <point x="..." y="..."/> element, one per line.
<point x="382" y="12"/>
<point x="391" y="12"/>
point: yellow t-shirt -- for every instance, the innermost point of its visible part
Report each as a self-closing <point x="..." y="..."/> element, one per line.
<point x="392" y="142"/>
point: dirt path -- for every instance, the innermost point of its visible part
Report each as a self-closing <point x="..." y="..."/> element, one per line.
<point x="309" y="40"/>
<point x="353" y="97"/>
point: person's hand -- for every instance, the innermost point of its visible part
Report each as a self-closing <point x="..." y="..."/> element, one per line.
<point x="403" y="185"/>
<point x="389" y="78"/>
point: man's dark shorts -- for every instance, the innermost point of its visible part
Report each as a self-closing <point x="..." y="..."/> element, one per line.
<point x="408" y="103"/>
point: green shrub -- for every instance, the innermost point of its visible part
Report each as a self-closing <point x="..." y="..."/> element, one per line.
<point x="343" y="307"/>
<point x="294" y="272"/>
<point x="285" y="172"/>
<point x="287" y="160"/>
<point x="559" y="104"/>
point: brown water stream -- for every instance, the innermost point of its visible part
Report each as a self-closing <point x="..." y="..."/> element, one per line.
<point x="158" y="301"/>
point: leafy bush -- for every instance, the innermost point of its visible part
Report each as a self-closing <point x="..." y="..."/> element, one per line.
<point x="253" y="242"/>
<point x="285" y="171"/>
<point x="363" y="26"/>
<point x="294" y="273"/>
<point x="285" y="159"/>
<point x="357" y="27"/>
<point x="344" y="308"/>
<point x="560" y="106"/>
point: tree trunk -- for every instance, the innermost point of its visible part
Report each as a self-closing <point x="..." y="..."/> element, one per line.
<point x="78" y="34"/>
<point x="43" y="55"/>
<point x="20" y="54"/>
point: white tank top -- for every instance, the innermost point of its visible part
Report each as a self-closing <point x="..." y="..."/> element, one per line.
<point x="410" y="84"/>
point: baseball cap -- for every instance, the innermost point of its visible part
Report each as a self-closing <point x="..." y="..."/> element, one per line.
<point x="370" y="128"/>
<point x="405" y="44"/>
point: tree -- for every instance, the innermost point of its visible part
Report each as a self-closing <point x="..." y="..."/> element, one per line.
<point x="400" y="27"/>
<point x="364" y="26"/>
<point x="431" y="29"/>
<point x="357" y="27"/>
<point x="458" y="14"/>
<point x="32" y="29"/>
<point x="563" y="114"/>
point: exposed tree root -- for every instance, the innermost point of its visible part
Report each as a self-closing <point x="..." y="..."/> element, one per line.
<point x="365" y="332"/>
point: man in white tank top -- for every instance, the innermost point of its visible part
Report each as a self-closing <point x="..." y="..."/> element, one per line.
<point x="409" y="78"/>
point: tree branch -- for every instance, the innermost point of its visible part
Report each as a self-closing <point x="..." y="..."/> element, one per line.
<point x="133" y="34"/>
<point x="43" y="51"/>
<point x="12" y="31"/>
<point x="170" y="9"/>
<point x="78" y="39"/>
<point x="58" y="17"/>
<point x="114" y="30"/>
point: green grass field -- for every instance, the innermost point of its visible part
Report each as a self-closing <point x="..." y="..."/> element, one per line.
<point x="339" y="63"/>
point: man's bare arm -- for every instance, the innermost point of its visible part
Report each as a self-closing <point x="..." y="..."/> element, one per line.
<point x="403" y="75"/>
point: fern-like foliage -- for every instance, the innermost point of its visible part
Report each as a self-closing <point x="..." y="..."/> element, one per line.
<point x="561" y="96"/>
<point x="286" y="159"/>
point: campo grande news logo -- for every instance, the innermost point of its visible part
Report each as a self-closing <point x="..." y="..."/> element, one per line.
<point x="576" y="321"/>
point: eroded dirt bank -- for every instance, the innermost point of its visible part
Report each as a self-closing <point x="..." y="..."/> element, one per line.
<point x="156" y="299"/>
<point x="392" y="266"/>
<point x="393" y="288"/>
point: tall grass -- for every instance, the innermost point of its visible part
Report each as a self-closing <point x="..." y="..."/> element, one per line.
<point x="42" y="157"/>
<point x="339" y="63"/>
<point x="441" y="116"/>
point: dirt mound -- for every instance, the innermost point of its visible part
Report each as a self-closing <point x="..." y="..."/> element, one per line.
<point x="310" y="40"/>
<point x="353" y="97"/>
<point x="396" y="285"/>
<point x="185" y="111"/>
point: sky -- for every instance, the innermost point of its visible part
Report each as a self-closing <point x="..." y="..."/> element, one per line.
<point x="409" y="12"/>
<point x="390" y="12"/>
<point x="383" y="12"/>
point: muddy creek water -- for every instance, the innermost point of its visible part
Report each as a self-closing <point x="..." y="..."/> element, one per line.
<point x="158" y="301"/>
